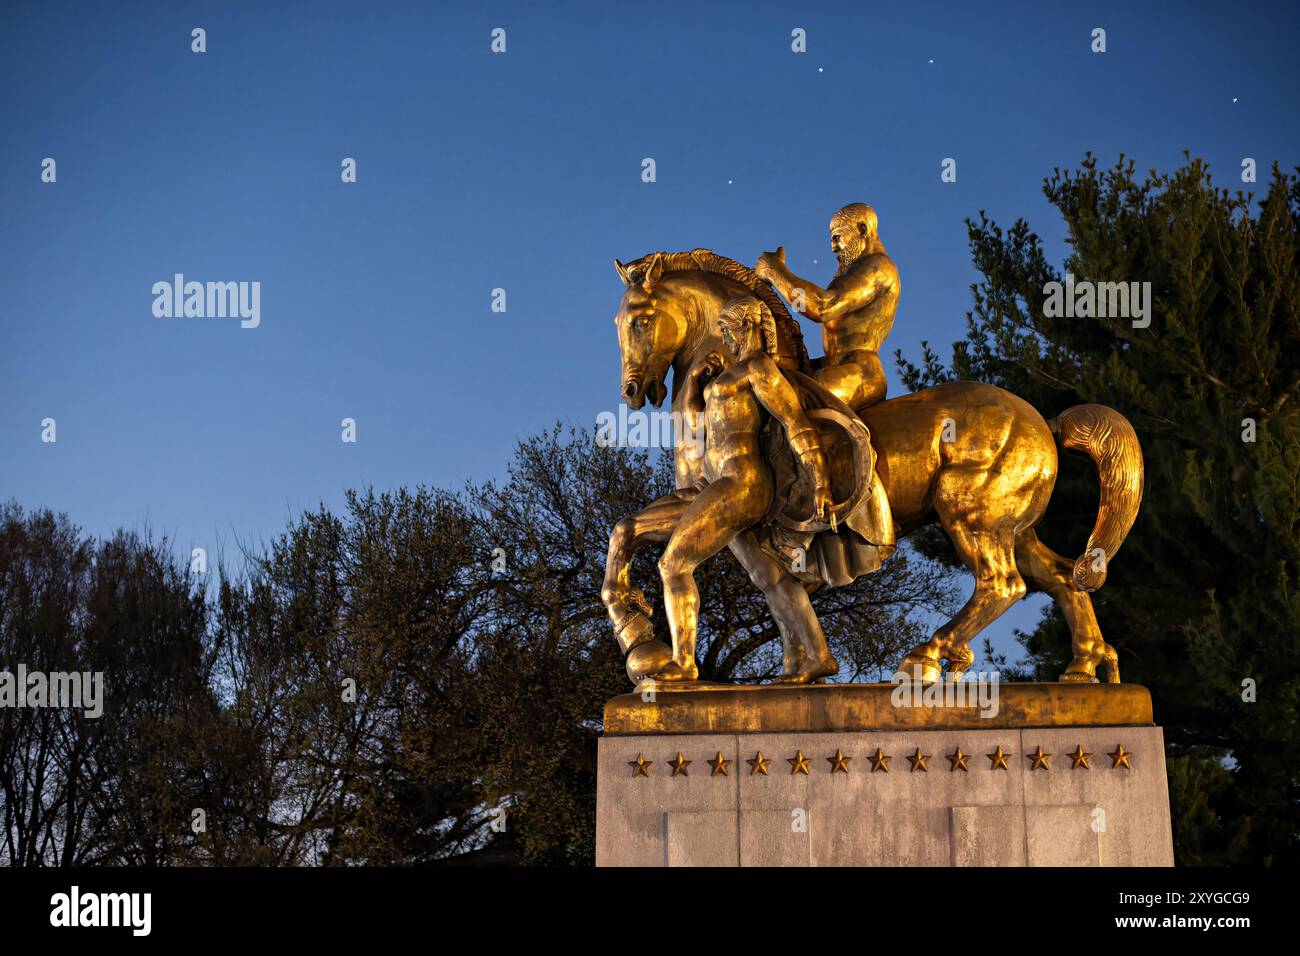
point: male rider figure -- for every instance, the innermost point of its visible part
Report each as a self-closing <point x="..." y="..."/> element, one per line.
<point x="856" y="312"/>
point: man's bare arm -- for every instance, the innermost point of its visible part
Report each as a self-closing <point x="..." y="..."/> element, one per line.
<point x="696" y="381"/>
<point x="822" y="305"/>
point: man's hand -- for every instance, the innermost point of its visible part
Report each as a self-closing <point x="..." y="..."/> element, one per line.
<point x="771" y="264"/>
<point x="696" y="380"/>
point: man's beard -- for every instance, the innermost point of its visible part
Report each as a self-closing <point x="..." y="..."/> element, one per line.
<point x="845" y="260"/>
<point x="849" y="252"/>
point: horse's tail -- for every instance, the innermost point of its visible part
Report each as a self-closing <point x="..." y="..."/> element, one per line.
<point x="1106" y="437"/>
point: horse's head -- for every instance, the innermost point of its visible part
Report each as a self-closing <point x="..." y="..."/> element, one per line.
<point x="667" y="317"/>
<point x="651" y="331"/>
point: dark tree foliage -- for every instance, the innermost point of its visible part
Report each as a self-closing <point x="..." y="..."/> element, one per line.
<point x="419" y="679"/>
<point x="117" y="789"/>
<point x="1202" y="601"/>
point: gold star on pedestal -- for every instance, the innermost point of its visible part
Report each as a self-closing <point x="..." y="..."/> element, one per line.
<point x="839" y="763"/>
<point x="1079" y="758"/>
<point x="999" y="759"/>
<point x="758" y="764"/>
<point x="880" y="761"/>
<point x="918" y="761"/>
<point x="640" y="766"/>
<point x="679" y="765"/>
<point x="1120" y="758"/>
<point x="798" y="763"/>
<point x="1039" y="759"/>
<point x="719" y="764"/>
<point x="958" y="761"/>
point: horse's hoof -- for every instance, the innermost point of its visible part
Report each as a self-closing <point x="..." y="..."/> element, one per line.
<point x="1077" y="677"/>
<point x="648" y="659"/>
<point x="925" y="670"/>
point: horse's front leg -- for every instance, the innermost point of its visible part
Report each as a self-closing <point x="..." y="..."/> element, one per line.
<point x="628" y="610"/>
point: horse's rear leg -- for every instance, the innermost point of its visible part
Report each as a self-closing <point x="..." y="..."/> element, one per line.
<point x="1052" y="573"/>
<point x="990" y="555"/>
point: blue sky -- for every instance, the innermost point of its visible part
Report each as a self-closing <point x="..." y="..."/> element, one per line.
<point x="519" y="171"/>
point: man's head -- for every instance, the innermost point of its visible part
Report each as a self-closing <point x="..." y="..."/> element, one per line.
<point x="853" y="234"/>
<point x="747" y="325"/>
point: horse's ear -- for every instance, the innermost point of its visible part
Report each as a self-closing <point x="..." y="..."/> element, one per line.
<point x="654" y="270"/>
<point x="623" y="272"/>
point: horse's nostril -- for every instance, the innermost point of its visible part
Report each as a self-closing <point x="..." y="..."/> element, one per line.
<point x="629" y="390"/>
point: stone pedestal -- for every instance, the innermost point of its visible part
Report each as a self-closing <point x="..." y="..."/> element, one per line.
<point x="923" y="788"/>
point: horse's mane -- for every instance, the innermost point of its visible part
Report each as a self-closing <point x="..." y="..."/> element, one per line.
<point x="706" y="260"/>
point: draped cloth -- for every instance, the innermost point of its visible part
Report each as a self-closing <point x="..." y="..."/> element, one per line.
<point x="828" y="557"/>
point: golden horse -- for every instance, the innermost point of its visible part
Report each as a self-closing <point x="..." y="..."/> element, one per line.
<point x="973" y="458"/>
